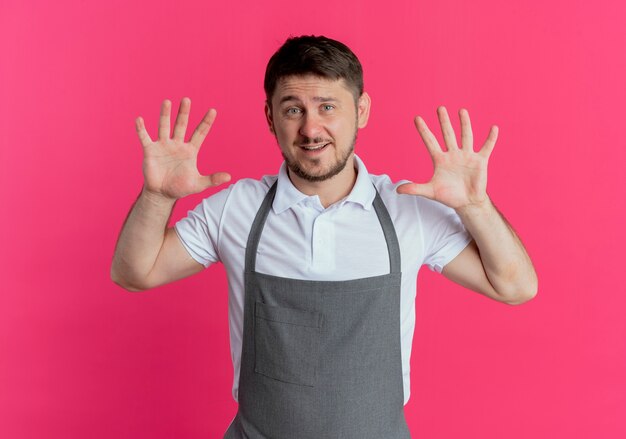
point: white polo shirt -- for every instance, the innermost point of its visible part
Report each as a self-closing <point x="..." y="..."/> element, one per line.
<point x="303" y="240"/>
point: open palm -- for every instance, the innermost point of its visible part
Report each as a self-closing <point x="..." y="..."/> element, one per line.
<point x="170" y="164"/>
<point x="460" y="173"/>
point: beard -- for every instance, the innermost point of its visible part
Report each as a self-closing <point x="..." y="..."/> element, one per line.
<point x="333" y="170"/>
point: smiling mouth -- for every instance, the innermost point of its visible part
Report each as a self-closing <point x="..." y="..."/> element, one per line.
<point x="314" y="147"/>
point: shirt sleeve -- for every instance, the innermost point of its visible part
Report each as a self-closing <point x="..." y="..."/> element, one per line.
<point x="199" y="231"/>
<point x="443" y="233"/>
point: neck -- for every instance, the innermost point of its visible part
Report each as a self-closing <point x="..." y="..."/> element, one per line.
<point x="329" y="191"/>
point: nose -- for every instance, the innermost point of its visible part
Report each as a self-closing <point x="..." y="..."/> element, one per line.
<point x="311" y="126"/>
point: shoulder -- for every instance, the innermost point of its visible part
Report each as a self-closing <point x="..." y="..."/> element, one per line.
<point x="250" y="188"/>
<point x="237" y="198"/>
<point x="411" y="211"/>
<point x="387" y="190"/>
<point x="385" y="185"/>
<point x="244" y="191"/>
<point x="392" y="199"/>
<point x="242" y="198"/>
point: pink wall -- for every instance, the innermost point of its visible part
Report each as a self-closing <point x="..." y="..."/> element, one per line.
<point x="80" y="357"/>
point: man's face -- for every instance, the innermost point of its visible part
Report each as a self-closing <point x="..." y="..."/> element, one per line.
<point x="315" y="121"/>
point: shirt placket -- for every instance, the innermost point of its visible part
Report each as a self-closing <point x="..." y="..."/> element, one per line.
<point x="323" y="244"/>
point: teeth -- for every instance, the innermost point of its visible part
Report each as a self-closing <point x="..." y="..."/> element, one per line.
<point x="314" y="148"/>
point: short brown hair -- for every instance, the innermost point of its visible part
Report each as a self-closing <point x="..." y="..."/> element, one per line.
<point x="317" y="56"/>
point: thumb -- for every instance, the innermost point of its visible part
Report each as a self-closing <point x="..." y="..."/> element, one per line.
<point x="424" y="190"/>
<point x="207" y="181"/>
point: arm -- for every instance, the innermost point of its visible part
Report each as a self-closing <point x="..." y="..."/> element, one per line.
<point x="148" y="253"/>
<point x="501" y="269"/>
<point x="495" y="263"/>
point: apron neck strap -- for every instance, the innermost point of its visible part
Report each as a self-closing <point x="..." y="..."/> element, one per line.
<point x="393" y="246"/>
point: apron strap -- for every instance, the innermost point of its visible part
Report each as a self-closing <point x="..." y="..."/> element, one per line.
<point x="393" y="247"/>
<point x="257" y="228"/>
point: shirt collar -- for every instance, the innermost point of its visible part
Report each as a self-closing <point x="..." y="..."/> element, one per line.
<point x="287" y="195"/>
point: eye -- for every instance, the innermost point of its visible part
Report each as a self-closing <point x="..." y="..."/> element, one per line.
<point x="292" y="111"/>
<point x="328" y="107"/>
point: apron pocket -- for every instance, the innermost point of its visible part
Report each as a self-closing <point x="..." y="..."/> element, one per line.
<point x="286" y="343"/>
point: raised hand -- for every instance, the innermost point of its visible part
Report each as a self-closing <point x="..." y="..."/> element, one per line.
<point x="170" y="164"/>
<point x="460" y="173"/>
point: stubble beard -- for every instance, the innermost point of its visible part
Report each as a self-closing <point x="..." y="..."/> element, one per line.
<point x="330" y="173"/>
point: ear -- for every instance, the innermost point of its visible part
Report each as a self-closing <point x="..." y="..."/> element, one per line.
<point x="268" y="117"/>
<point x="363" y="109"/>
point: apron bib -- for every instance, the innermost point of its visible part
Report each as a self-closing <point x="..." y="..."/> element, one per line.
<point x="320" y="359"/>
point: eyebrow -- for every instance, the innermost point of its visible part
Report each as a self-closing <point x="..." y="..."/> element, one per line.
<point x="316" y="99"/>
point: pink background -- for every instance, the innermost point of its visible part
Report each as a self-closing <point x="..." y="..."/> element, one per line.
<point x="80" y="357"/>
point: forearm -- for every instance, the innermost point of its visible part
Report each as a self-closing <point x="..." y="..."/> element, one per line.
<point x="140" y="240"/>
<point x="505" y="260"/>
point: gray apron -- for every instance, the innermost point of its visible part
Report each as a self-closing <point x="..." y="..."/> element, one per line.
<point x="320" y="359"/>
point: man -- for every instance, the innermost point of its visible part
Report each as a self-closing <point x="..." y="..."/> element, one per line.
<point x="322" y="258"/>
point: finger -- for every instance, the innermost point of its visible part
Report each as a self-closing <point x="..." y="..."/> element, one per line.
<point x="467" y="138"/>
<point x="144" y="137"/>
<point x="424" y="190"/>
<point x="427" y="136"/>
<point x="164" y="120"/>
<point x="490" y="143"/>
<point x="216" y="179"/>
<point x="446" y="128"/>
<point x="182" y="118"/>
<point x="203" y="128"/>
